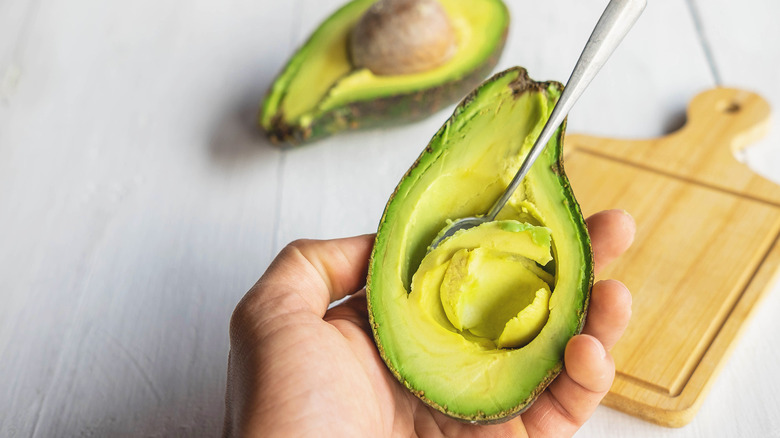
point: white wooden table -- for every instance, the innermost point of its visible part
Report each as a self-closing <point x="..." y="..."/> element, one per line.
<point x="138" y="204"/>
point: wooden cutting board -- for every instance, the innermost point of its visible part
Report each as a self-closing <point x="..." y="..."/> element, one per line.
<point x="706" y="247"/>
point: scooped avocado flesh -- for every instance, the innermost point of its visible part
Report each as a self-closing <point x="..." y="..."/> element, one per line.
<point x="319" y="83"/>
<point x="477" y="327"/>
<point x="488" y="289"/>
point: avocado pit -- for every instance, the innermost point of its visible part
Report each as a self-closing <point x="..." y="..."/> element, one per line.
<point x="331" y="84"/>
<point x="397" y="37"/>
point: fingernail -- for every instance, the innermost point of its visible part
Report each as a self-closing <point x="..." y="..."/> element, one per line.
<point x="600" y="348"/>
<point x="625" y="212"/>
<point x="632" y="227"/>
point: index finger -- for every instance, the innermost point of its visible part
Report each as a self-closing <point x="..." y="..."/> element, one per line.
<point x="611" y="233"/>
<point x="308" y="275"/>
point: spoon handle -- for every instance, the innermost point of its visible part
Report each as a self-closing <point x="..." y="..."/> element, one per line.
<point x="615" y="22"/>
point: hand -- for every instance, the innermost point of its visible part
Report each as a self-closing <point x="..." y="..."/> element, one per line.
<point x="297" y="368"/>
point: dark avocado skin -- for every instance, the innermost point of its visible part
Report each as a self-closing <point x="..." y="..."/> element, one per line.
<point x="521" y="84"/>
<point x="383" y="112"/>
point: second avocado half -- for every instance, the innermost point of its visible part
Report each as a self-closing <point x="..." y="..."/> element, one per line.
<point x="320" y="91"/>
<point x="477" y="327"/>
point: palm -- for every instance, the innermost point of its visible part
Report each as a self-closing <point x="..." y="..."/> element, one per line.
<point x="408" y="415"/>
<point x="300" y="369"/>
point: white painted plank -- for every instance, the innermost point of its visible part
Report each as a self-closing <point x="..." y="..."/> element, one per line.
<point x="643" y="89"/>
<point x="744" y="40"/>
<point x="136" y="209"/>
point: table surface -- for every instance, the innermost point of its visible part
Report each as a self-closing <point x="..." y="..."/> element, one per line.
<point x="138" y="203"/>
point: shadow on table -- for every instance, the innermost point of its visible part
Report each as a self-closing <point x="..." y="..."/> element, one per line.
<point x="236" y="138"/>
<point x="674" y="121"/>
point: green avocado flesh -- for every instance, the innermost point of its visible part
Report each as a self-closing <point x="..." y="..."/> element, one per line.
<point x="477" y="327"/>
<point x="319" y="92"/>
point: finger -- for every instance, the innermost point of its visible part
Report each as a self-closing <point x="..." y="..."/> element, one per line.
<point x="308" y="275"/>
<point x="611" y="233"/>
<point x="341" y="265"/>
<point x="609" y="312"/>
<point x="354" y="310"/>
<point x="588" y="376"/>
<point x="571" y="399"/>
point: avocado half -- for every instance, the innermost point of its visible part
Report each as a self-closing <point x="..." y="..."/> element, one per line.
<point x="319" y="92"/>
<point x="477" y="327"/>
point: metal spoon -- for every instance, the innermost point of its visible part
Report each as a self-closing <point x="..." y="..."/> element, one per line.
<point x="618" y="17"/>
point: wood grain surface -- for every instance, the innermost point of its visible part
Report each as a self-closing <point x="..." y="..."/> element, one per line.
<point x="138" y="203"/>
<point x="707" y="226"/>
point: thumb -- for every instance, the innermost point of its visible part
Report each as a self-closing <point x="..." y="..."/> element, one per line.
<point x="310" y="274"/>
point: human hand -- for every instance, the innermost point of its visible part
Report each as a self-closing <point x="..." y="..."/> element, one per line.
<point x="297" y="368"/>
